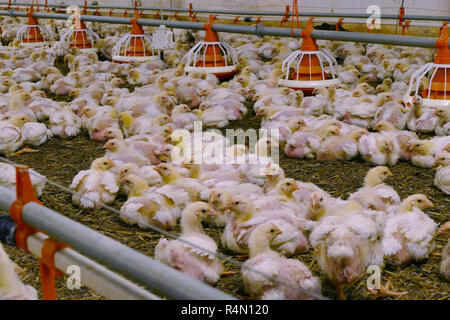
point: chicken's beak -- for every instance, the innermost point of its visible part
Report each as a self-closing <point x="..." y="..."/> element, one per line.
<point x="111" y="165"/>
<point x="122" y="177"/>
<point x="444" y="228"/>
<point x="228" y="205"/>
<point x="295" y="187"/>
<point x="106" y="147"/>
<point x="390" y="174"/>
<point x="429" y="204"/>
<point x="186" y="165"/>
<point x="212" y="213"/>
<point x="163" y="158"/>
<point x="315" y="204"/>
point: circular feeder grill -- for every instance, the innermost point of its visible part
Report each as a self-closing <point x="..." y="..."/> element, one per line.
<point x="304" y="69"/>
<point x="32" y="34"/>
<point x="438" y="74"/>
<point x="212" y="56"/>
<point x="134" y="46"/>
<point x="79" y="37"/>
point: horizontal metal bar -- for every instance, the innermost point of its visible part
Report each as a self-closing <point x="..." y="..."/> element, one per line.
<point x="159" y="278"/>
<point x="257" y="13"/>
<point x="258" y="30"/>
<point x="93" y="275"/>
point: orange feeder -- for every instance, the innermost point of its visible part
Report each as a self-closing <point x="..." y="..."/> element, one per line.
<point x="212" y="55"/>
<point x="309" y="67"/>
<point x="32" y="34"/>
<point x="79" y="37"/>
<point x="135" y="45"/>
<point x="438" y="74"/>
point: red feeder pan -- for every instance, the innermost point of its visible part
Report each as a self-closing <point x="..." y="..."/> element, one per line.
<point x="212" y="56"/>
<point x="134" y="46"/>
<point x="308" y="66"/>
<point x="438" y="74"/>
<point x="31" y="34"/>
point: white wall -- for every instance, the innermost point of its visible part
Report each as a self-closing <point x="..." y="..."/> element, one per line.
<point x="421" y="7"/>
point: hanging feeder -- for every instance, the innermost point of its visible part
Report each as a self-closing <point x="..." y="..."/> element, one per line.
<point x="32" y="34"/>
<point x="438" y="74"/>
<point x="309" y="67"/>
<point x="212" y="56"/>
<point x="79" y="37"/>
<point x="135" y="45"/>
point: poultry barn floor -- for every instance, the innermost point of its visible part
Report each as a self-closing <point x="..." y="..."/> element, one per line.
<point x="60" y="160"/>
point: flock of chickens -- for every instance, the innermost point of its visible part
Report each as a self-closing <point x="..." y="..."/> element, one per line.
<point x="266" y="216"/>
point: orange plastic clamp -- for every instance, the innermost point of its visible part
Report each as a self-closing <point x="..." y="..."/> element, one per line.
<point x="194" y="17"/>
<point x="190" y="9"/>
<point x="258" y="20"/>
<point x="25" y="194"/>
<point x="400" y="16"/>
<point x="286" y="13"/>
<point x="125" y="13"/>
<point x="175" y="16"/>
<point x="339" y="24"/>
<point x="47" y="267"/>
<point x="236" y="20"/>
<point x="405" y="26"/>
<point x="110" y="12"/>
<point x="84" y="11"/>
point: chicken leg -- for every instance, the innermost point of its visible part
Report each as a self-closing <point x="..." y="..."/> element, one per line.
<point x="24" y="150"/>
<point x="340" y="291"/>
<point x="18" y="269"/>
<point x="241" y="257"/>
<point x="384" y="291"/>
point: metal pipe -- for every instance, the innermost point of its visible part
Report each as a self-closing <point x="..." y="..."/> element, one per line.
<point x="93" y="275"/>
<point x="259" y="13"/>
<point x="159" y="278"/>
<point x="258" y="30"/>
<point x="101" y="280"/>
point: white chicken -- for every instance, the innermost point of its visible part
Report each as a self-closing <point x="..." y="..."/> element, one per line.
<point x="10" y="134"/>
<point x="276" y="277"/>
<point x="375" y="194"/>
<point x="35" y="133"/>
<point x="346" y="242"/>
<point x="408" y="234"/>
<point x="194" y="253"/>
<point x="96" y="185"/>
<point x="64" y="123"/>
<point x="8" y="179"/>
<point x="146" y="207"/>
<point x="11" y="288"/>
<point x="379" y="149"/>
<point x="442" y="178"/>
